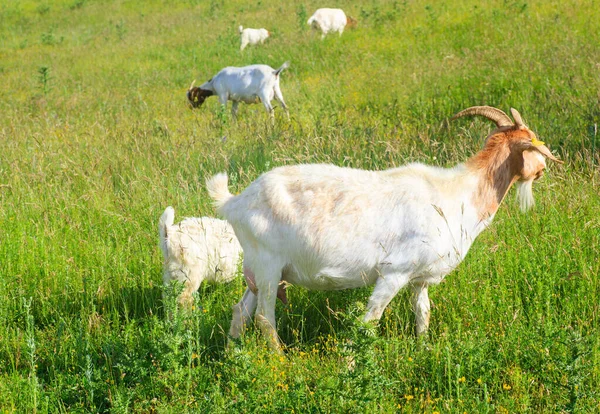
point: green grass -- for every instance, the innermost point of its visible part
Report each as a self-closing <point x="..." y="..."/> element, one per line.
<point x="96" y="140"/>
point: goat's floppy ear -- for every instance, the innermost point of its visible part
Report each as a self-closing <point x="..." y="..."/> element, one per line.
<point x="539" y="145"/>
<point x="533" y="143"/>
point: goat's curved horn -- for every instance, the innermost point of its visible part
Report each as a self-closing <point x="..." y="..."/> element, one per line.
<point x="517" y="116"/>
<point x="192" y="85"/>
<point x="495" y="114"/>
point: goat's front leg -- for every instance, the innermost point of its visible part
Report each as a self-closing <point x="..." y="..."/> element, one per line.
<point x="223" y="101"/>
<point x="421" y="307"/>
<point x="386" y="287"/>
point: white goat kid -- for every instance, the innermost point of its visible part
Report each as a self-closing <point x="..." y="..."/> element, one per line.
<point x="252" y="36"/>
<point x="327" y="228"/>
<point x="249" y="84"/>
<point x="330" y="20"/>
<point x="197" y="250"/>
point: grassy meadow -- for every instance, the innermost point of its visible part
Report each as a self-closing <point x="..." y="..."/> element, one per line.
<point x="96" y="139"/>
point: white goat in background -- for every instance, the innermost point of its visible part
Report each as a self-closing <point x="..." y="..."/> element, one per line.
<point x="327" y="228"/>
<point x="197" y="250"/>
<point x="252" y="36"/>
<point x="249" y="84"/>
<point x="330" y="20"/>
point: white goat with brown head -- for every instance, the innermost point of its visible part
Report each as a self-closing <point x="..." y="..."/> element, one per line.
<point x="249" y="84"/>
<point x="326" y="228"/>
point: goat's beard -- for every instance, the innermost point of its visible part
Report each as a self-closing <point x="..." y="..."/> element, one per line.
<point x="525" y="194"/>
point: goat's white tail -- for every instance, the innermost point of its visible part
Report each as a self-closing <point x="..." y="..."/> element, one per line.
<point x="217" y="190"/>
<point x="166" y="221"/>
<point x="311" y="20"/>
<point x="241" y="29"/>
<point x="284" y="66"/>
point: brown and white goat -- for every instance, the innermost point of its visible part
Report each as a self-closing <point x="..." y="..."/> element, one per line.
<point x="324" y="227"/>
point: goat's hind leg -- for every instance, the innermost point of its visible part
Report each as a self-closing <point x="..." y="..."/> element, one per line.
<point x="386" y="287"/>
<point x="421" y="307"/>
<point x="242" y="312"/>
<point x="279" y="98"/>
<point x="267" y="104"/>
<point x="268" y="275"/>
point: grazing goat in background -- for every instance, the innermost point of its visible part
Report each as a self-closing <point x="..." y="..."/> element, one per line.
<point x="327" y="228"/>
<point x="249" y="84"/>
<point x="197" y="250"/>
<point x="330" y="20"/>
<point x="252" y="36"/>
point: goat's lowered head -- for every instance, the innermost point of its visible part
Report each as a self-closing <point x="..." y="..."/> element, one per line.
<point x="512" y="154"/>
<point x="351" y="21"/>
<point x="197" y="96"/>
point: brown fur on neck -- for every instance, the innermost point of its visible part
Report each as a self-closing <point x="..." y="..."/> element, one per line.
<point x="500" y="163"/>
